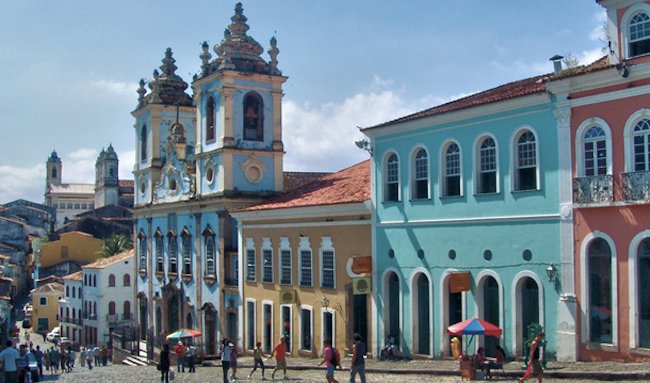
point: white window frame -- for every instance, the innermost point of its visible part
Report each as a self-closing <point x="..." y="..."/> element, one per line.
<point x="266" y="246"/>
<point x="254" y="333"/>
<point x="414" y="172"/>
<point x="283" y="250"/>
<point x="173" y="256"/>
<point x="478" y="186"/>
<point x="207" y="256"/>
<point x="331" y="311"/>
<point x="311" y="327"/>
<point x="632" y="121"/>
<point x="187" y="255"/>
<point x="327" y="245"/>
<point x="388" y="182"/>
<point x="304" y="246"/>
<point x="514" y="157"/>
<point x="250" y="247"/>
<point x="580" y="144"/>
<point x="142" y="248"/>
<point x="290" y="345"/>
<point x="443" y="169"/>
<point x="584" y="284"/>
<point x="160" y="252"/>
<point x="625" y="25"/>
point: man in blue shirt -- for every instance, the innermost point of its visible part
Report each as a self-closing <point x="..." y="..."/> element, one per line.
<point x="8" y="357"/>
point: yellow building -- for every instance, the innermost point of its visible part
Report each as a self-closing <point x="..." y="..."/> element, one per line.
<point x="73" y="246"/>
<point x="296" y="277"/>
<point x="45" y="300"/>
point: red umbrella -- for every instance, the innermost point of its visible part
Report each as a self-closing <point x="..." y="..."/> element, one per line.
<point x="474" y="326"/>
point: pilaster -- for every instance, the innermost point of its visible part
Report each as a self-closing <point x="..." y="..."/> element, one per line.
<point x="227" y="111"/>
<point x="198" y="277"/>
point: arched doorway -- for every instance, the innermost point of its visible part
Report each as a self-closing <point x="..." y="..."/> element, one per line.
<point x="491" y="311"/>
<point x="172" y="313"/>
<point x="210" y="320"/>
<point x="643" y="291"/>
<point x="421" y="315"/>
<point x="392" y="325"/>
<point x="528" y="300"/>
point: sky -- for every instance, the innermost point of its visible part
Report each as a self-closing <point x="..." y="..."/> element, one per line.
<point x="70" y="68"/>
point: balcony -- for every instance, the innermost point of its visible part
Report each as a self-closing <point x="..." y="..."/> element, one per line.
<point x="593" y="189"/>
<point x="636" y="186"/>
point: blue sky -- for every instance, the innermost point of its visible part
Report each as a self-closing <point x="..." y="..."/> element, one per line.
<point x="70" y="68"/>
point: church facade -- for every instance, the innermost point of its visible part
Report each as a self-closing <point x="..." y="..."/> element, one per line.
<point x="197" y="157"/>
<point x="70" y="199"/>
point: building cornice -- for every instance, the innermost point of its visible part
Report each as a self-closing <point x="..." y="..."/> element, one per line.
<point x="307" y="212"/>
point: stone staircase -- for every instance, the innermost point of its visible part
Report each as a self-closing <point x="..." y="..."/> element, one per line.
<point x="136" y="360"/>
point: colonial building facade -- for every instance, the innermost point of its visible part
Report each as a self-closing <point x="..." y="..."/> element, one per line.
<point x="197" y="158"/>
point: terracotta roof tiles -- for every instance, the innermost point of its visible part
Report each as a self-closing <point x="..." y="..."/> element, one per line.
<point x="350" y="185"/>
<point x="103" y="262"/>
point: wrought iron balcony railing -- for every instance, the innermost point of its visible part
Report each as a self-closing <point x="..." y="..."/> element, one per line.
<point x="636" y="186"/>
<point x="593" y="189"/>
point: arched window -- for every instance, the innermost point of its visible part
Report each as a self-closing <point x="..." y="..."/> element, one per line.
<point x="639" y="34"/>
<point x="391" y="190"/>
<point x="143" y="143"/>
<point x="172" y="248"/>
<point x="127" y="310"/>
<point x="599" y="268"/>
<point x="525" y="161"/>
<point x="595" y="152"/>
<point x="420" y="175"/>
<point x="487" y="167"/>
<point x="111" y="308"/>
<point x="209" y="119"/>
<point x="642" y="298"/>
<point x="53" y="172"/>
<point x="187" y="252"/>
<point x="451" y="171"/>
<point x="67" y="312"/>
<point x="126" y="280"/>
<point x="111" y="280"/>
<point x="641" y="144"/>
<point x="159" y="251"/>
<point x="143" y="250"/>
<point x="95" y="280"/>
<point x="253" y="117"/>
<point x="209" y="256"/>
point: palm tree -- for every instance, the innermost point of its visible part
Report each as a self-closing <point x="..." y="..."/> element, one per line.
<point x="116" y="244"/>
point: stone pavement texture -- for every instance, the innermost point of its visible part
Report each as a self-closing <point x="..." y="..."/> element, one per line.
<point x="304" y="370"/>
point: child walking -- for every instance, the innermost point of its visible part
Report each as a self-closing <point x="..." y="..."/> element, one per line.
<point x="258" y="355"/>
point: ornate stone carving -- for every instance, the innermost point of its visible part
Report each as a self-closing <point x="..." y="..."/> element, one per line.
<point x="253" y="169"/>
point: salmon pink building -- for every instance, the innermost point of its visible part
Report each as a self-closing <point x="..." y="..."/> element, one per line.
<point x="606" y="111"/>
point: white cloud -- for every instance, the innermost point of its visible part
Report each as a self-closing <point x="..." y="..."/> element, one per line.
<point x="79" y="166"/>
<point x="116" y="87"/>
<point x="588" y="57"/>
<point x="598" y="32"/>
<point x="22" y="182"/>
<point x="127" y="160"/>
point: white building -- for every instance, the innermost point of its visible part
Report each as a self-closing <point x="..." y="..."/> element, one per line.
<point x="70" y="307"/>
<point x="107" y="301"/>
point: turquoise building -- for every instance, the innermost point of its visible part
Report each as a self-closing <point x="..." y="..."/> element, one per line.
<point x="197" y="157"/>
<point x="471" y="191"/>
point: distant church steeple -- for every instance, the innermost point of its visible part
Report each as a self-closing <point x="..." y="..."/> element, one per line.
<point x="54" y="168"/>
<point x="106" y="178"/>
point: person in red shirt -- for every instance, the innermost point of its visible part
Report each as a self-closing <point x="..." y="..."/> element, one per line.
<point x="180" y="356"/>
<point x="332" y="359"/>
<point x="280" y="352"/>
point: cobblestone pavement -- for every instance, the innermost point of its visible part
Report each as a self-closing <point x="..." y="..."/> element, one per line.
<point x="128" y="374"/>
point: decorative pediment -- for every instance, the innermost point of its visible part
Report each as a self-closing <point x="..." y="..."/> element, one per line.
<point x="253" y="169"/>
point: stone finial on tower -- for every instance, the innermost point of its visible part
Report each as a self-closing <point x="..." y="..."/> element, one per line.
<point x="273" y="53"/>
<point x="168" y="67"/>
<point x="141" y="93"/>
<point x="205" y="57"/>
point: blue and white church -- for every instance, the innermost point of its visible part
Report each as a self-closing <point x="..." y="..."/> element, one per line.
<point x="197" y="157"/>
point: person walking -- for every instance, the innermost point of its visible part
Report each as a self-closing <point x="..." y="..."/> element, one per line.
<point x="225" y="358"/>
<point x="280" y="352"/>
<point x="331" y="358"/>
<point x="164" y="364"/>
<point x="97" y="353"/>
<point x="180" y="356"/>
<point x="90" y="354"/>
<point x="358" y="362"/>
<point x="9" y="356"/>
<point x="257" y="356"/>
<point x="53" y="356"/>
<point x="38" y="354"/>
<point x="534" y="365"/>
<point x="82" y="357"/>
<point x="191" y="355"/>
<point x="233" y="361"/>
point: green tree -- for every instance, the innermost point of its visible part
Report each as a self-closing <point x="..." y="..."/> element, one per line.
<point x="116" y="244"/>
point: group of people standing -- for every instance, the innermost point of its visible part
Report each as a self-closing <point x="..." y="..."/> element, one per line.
<point x="15" y="363"/>
<point x="185" y="355"/>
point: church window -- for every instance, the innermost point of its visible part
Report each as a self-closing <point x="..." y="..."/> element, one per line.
<point x="209" y="120"/>
<point x="210" y="251"/>
<point x="639" y="34"/>
<point x="53" y="172"/>
<point x="143" y="143"/>
<point x="173" y="253"/>
<point x="187" y="252"/>
<point x="159" y="252"/>
<point x="253" y="117"/>
<point x="143" y="250"/>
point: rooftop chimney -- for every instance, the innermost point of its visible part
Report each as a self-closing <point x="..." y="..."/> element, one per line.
<point x="557" y="63"/>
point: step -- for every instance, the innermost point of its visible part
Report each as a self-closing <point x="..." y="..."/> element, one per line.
<point x="135" y="361"/>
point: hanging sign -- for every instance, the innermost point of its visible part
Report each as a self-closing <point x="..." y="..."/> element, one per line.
<point x="459" y="282"/>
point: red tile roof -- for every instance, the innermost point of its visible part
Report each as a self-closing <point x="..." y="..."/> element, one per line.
<point x="349" y="185"/>
<point x="293" y="180"/>
<point x="103" y="262"/>
<point x="515" y="89"/>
